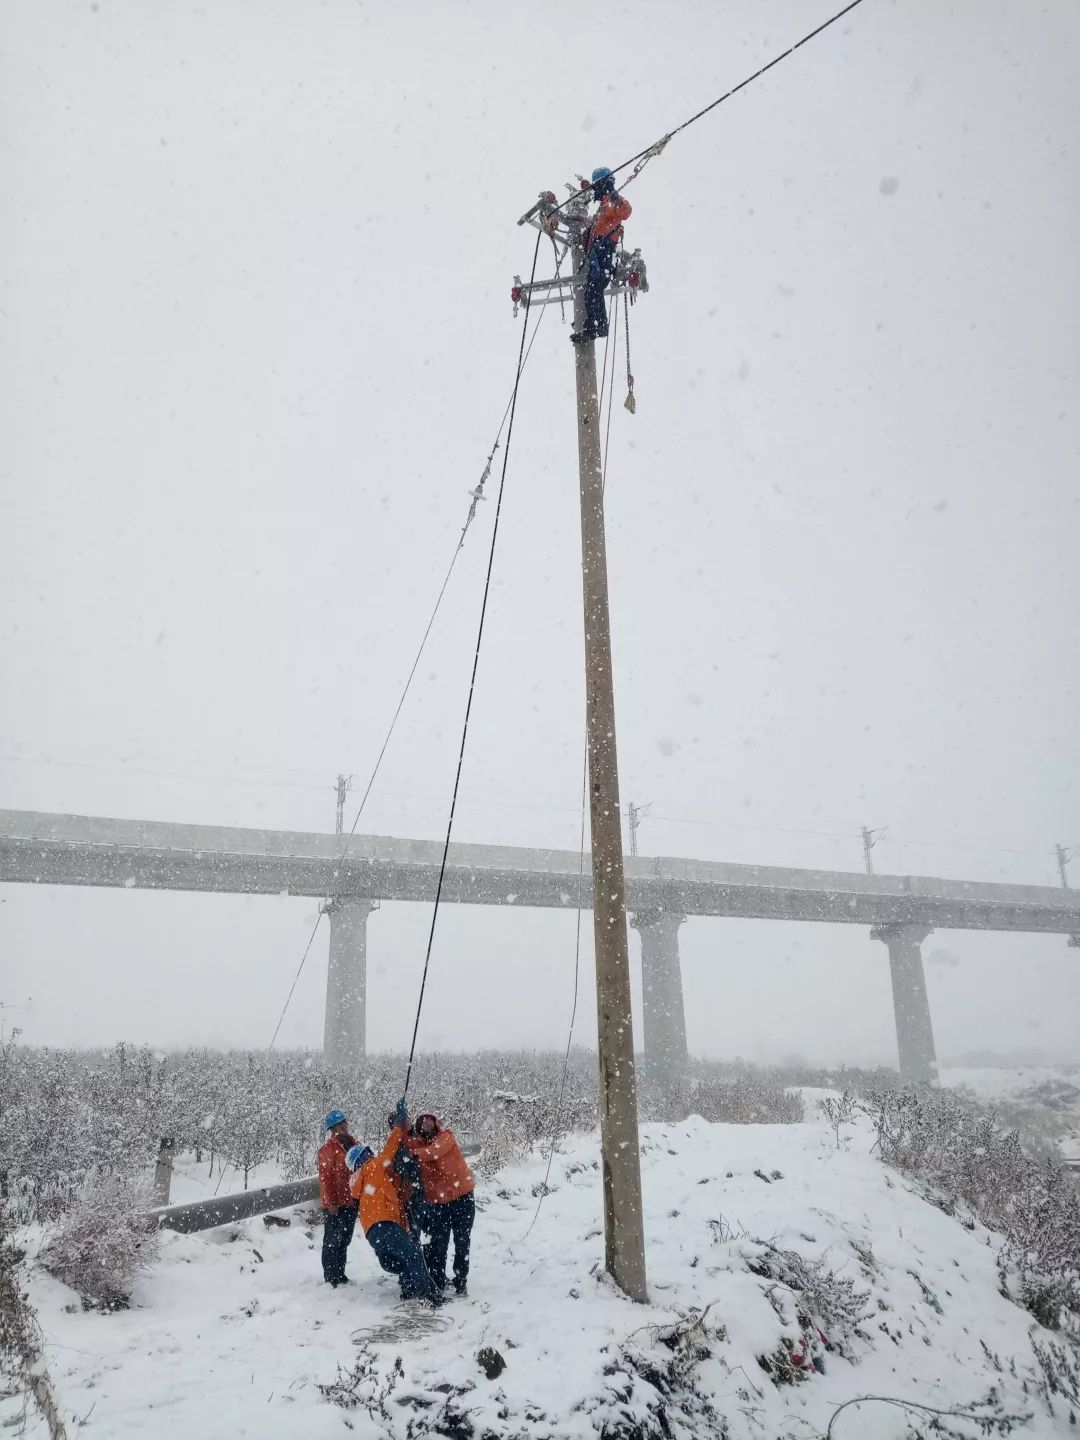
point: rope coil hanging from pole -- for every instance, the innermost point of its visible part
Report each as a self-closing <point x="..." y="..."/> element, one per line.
<point x="630" y="403"/>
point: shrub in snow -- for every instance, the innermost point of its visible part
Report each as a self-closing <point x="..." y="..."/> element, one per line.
<point x="822" y="1299"/>
<point x="22" y="1369"/>
<point x="746" y="1100"/>
<point x="1059" y="1368"/>
<point x="363" y="1386"/>
<point x="839" y="1110"/>
<point x="104" y="1242"/>
<point x="109" y="1109"/>
<point x="976" y="1167"/>
<point x="823" y="1310"/>
<point x="652" y="1390"/>
<point x="512" y="1126"/>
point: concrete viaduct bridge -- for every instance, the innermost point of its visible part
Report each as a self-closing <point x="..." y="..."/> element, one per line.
<point x="899" y="910"/>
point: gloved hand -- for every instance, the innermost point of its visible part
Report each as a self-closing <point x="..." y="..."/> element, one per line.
<point x="401" y="1112"/>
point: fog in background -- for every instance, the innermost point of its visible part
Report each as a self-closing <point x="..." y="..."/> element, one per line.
<point x="255" y="264"/>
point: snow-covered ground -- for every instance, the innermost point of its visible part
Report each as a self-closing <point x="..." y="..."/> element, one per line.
<point x="230" y="1333"/>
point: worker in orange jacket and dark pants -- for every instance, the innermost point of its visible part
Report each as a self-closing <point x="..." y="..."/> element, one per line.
<point x="449" y="1205"/>
<point x="383" y="1199"/>
<point x="601" y="240"/>
<point x="338" y="1205"/>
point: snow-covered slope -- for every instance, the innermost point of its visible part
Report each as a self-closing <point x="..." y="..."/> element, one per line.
<point x="231" y="1333"/>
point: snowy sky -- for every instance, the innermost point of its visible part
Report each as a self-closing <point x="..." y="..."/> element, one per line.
<point x="255" y="264"/>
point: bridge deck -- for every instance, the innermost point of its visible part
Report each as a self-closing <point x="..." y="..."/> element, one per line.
<point x="47" y="849"/>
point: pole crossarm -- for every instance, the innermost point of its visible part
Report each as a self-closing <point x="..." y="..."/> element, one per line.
<point x="629" y="277"/>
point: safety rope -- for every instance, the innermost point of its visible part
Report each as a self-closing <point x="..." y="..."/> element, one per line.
<point x="475" y="665"/>
<point x="476" y="495"/>
<point x="610" y="396"/>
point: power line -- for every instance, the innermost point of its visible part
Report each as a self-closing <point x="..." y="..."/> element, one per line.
<point x="512" y="410"/>
<point x="658" y="146"/>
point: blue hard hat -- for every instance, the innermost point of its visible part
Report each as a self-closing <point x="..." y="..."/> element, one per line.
<point x="602" y="173"/>
<point x="336" y="1117"/>
<point x="358" y="1155"/>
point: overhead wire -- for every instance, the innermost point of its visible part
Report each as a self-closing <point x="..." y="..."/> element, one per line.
<point x="657" y="147"/>
<point x="511" y="411"/>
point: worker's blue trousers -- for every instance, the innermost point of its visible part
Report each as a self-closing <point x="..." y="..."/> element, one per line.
<point x="399" y="1253"/>
<point x="600" y="264"/>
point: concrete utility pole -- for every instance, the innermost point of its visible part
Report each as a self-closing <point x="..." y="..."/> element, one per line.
<point x="344" y="785"/>
<point x="635" y="815"/>
<point x="624" y="1232"/>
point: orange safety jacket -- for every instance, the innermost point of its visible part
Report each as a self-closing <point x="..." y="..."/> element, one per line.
<point x="380" y="1189"/>
<point x="444" y="1171"/>
<point x="334" y="1173"/>
<point x="608" y="220"/>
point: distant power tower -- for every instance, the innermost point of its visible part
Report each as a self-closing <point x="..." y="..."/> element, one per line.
<point x="869" y="840"/>
<point x="635" y="815"/>
<point x="344" y="785"/>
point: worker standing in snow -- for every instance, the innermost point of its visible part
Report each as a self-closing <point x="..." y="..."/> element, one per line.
<point x="449" y="1203"/>
<point x="338" y="1206"/>
<point x="601" y="240"/>
<point x="382" y="1194"/>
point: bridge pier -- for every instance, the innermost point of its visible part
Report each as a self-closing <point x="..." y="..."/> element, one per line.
<point x="663" y="1011"/>
<point x="345" y="1029"/>
<point x="911" y="1005"/>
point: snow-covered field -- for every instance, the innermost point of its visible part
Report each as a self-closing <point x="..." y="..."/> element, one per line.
<point x="230" y="1333"/>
